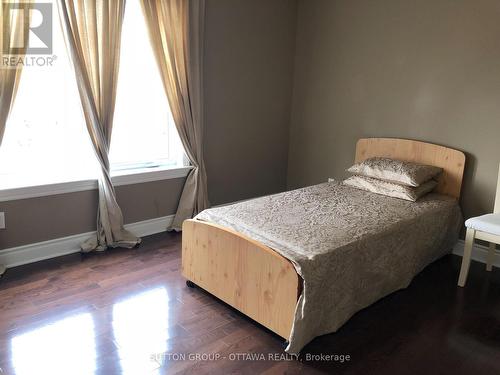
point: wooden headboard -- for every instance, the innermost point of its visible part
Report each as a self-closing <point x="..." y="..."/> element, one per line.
<point x="452" y="161"/>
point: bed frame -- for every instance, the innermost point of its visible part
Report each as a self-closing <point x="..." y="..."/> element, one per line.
<point x="261" y="283"/>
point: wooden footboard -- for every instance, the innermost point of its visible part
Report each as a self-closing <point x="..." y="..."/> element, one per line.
<point x="242" y="272"/>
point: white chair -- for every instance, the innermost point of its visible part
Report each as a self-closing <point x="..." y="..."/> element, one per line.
<point x="487" y="228"/>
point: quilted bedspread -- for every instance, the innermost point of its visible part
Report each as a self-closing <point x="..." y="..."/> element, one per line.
<point x="351" y="247"/>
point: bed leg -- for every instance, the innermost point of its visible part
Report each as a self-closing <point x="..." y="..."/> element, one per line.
<point x="190" y="284"/>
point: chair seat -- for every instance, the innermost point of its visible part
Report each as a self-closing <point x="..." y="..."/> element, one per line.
<point x="487" y="223"/>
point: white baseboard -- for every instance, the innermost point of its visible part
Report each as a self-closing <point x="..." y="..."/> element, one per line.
<point x="479" y="252"/>
<point x="16" y="256"/>
<point x="151" y="226"/>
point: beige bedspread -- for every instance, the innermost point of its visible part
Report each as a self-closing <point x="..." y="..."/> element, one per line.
<point x="351" y="247"/>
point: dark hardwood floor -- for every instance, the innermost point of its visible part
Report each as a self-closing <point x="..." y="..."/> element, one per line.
<point x="129" y="311"/>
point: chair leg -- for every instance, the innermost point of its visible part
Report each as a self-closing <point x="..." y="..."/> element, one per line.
<point x="491" y="256"/>
<point x="469" y="241"/>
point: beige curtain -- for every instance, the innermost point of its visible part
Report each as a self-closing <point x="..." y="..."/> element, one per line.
<point x="14" y="33"/>
<point x="176" y="33"/>
<point x="13" y="41"/>
<point x="93" y="34"/>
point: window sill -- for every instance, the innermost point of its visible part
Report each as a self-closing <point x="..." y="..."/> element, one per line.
<point x="130" y="177"/>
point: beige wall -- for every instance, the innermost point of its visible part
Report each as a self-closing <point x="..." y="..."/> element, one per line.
<point x="249" y="49"/>
<point x="426" y="70"/>
<point x="44" y="218"/>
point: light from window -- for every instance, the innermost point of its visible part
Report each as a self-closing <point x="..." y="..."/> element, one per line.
<point x="141" y="328"/>
<point x="46" y="140"/>
<point x="57" y="347"/>
<point x="144" y="134"/>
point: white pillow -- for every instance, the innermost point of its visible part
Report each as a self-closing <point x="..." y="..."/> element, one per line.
<point x="390" y="189"/>
<point x="400" y="172"/>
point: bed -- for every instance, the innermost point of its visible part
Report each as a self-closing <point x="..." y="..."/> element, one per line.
<point x="301" y="263"/>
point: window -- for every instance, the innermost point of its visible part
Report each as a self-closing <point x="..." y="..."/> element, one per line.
<point x="144" y="133"/>
<point x="46" y="140"/>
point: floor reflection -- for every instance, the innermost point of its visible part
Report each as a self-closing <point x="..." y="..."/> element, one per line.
<point x="140" y="331"/>
<point x="57" y="347"/>
<point x="140" y="327"/>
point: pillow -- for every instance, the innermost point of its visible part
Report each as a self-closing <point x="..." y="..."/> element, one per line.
<point x="391" y="189"/>
<point x="400" y="172"/>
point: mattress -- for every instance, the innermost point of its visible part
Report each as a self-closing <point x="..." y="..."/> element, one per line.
<point x="351" y="247"/>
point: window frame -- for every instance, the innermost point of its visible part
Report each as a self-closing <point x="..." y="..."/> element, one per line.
<point x="133" y="173"/>
<point x="126" y="177"/>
